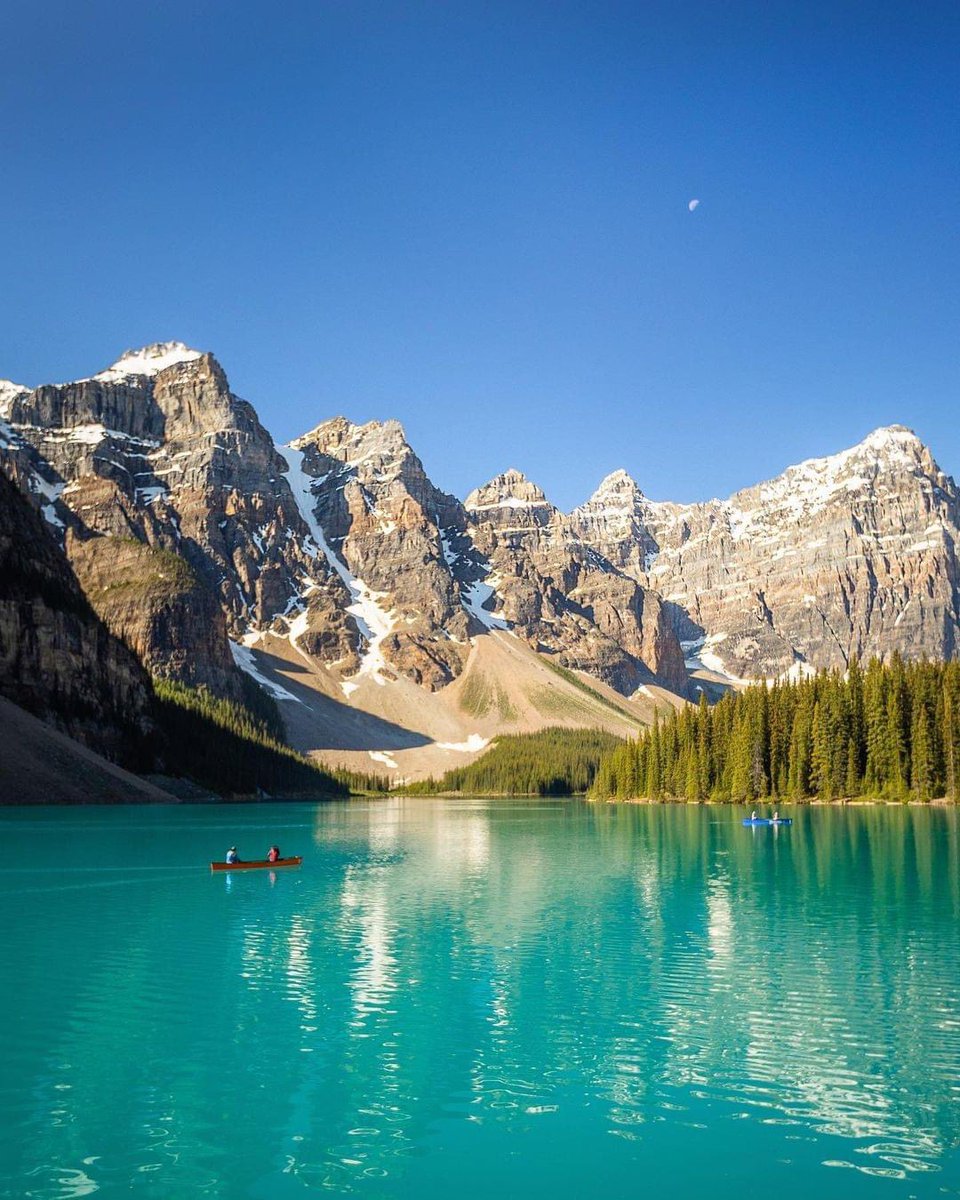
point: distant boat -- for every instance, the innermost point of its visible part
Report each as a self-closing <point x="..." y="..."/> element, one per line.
<point x="255" y="864"/>
<point x="767" y="821"/>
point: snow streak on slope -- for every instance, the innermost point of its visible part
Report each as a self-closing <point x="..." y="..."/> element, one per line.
<point x="372" y="620"/>
<point x="244" y="659"/>
<point x="474" y="596"/>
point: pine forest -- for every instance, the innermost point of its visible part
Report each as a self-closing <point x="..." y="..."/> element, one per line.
<point x="890" y="731"/>
<point x="550" y="762"/>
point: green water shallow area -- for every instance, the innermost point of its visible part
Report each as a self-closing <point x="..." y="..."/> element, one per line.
<point x="480" y="998"/>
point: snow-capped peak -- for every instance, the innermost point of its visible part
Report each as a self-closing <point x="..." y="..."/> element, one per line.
<point x="891" y="445"/>
<point x="8" y="390"/>
<point x="149" y="360"/>
<point x="889" y="438"/>
<point x="808" y="487"/>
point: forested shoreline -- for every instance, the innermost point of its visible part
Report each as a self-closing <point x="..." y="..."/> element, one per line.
<point x="550" y="762"/>
<point x="890" y="731"/>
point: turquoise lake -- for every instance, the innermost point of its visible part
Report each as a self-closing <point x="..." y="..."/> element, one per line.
<point x="483" y="998"/>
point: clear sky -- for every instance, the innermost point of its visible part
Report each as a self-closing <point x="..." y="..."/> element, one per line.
<point x="474" y="217"/>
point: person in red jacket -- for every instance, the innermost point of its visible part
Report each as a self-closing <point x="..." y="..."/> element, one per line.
<point x="274" y="854"/>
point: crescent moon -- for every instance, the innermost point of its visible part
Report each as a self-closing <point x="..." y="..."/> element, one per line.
<point x="693" y="204"/>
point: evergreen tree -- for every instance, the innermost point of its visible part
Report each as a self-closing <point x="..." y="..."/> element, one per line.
<point x="889" y="730"/>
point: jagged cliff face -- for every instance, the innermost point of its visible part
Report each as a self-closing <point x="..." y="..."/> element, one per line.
<point x="57" y="659"/>
<point x="187" y="527"/>
<point x="854" y="554"/>
<point x="171" y="503"/>
<point x="380" y="524"/>
<point x="427" y="573"/>
<point x="566" y="596"/>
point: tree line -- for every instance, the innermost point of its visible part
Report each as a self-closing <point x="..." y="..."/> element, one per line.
<point x="238" y="749"/>
<point x="550" y="762"/>
<point x="891" y="731"/>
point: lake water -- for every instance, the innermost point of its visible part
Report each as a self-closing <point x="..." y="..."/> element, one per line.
<point x="483" y="998"/>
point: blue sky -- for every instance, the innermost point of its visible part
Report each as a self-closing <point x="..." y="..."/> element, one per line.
<point x="474" y="217"/>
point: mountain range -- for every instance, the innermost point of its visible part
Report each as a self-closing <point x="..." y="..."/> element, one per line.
<point x="400" y="628"/>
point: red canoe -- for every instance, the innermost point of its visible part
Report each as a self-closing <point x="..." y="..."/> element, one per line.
<point x="254" y="864"/>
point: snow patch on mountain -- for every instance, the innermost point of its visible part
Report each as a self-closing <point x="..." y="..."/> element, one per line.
<point x="149" y="495"/>
<point x="796" y="672"/>
<point x="244" y="658"/>
<point x="477" y="595"/>
<point x="701" y="655"/>
<point x="373" y="621"/>
<point x="148" y="361"/>
<point x="8" y="393"/>
<point x="473" y="743"/>
<point x="381" y="756"/>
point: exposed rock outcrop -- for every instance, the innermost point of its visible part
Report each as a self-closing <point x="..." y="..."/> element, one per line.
<point x="854" y="554"/>
<point x="566" y="597"/>
<point x="428" y="573"/>
<point x="154" y="461"/>
<point x="57" y="659"/>
<point x="187" y="527"/>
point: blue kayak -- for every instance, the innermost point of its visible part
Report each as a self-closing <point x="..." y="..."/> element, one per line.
<point x="767" y="821"/>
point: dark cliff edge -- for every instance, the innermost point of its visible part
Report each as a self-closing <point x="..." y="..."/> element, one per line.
<point x="58" y="661"/>
<point x="79" y="713"/>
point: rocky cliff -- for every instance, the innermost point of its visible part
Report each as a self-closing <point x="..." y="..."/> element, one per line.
<point x="336" y="565"/>
<point x="427" y="573"/>
<point x="57" y="658"/>
<point x="566" y="596"/>
<point x="171" y="503"/>
<point x="853" y="554"/>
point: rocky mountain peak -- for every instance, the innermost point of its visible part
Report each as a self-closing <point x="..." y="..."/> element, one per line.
<point x="613" y="521"/>
<point x="871" y="467"/>
<point x="148" y="360"/>
<point x="512" y="489"/>
<point x="8" y="391"/>
<point x="352" y="444"/>
<point x="617" y="490"/>
<point x="896" y="446"/>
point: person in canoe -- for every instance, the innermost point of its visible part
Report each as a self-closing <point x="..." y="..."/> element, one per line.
<point x="753" y="815"/>
<point x="232" y="855"/>
<point x="274" y="854"/>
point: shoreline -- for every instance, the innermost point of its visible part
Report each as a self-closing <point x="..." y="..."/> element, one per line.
<point x="850" y="802"/>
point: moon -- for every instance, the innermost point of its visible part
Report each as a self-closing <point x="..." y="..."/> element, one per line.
<point x="693" y="204"/>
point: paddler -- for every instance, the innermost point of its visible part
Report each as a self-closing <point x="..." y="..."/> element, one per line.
<point x="232" y="855"/>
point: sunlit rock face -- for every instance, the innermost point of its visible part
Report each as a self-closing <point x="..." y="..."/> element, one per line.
<point x="169" y="498"/>
<point x="187" y="527"/>
<point x="853" y="554"/>
<point x="429" y="573"/>
<point x="389" y="534"/>
<point x="569" y="596"/>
